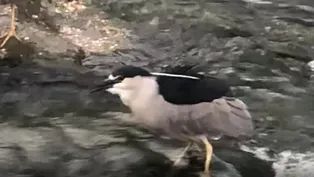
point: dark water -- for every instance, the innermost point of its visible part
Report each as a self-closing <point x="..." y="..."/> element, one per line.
<point x="52" y="126"/>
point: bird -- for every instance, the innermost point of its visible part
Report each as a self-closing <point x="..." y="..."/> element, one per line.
<point x="26" y="7"/>
<point x="181" y="104"/>
<point x="12" y="30"/>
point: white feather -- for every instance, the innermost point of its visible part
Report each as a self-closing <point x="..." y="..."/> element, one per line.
<point x="111" y="77"/>
<point x="173" y="75"/>
<point x="125" y="95"/>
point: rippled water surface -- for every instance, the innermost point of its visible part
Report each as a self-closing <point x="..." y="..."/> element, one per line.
<point x="49" y="119"/>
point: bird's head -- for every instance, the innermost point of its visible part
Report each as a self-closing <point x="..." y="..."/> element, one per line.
<point x="130" y="82"/>
<point x="123" y="82"/>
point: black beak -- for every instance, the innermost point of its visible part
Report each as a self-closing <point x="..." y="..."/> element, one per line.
<point x="104" y="85"/>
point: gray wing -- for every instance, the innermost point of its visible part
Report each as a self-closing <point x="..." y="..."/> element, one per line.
<point x="224" y="116"/>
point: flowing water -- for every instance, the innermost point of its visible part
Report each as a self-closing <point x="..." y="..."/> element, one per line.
<point x="52" y="126"/>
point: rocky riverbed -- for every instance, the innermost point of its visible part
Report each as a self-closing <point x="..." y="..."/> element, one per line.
<point x="52" y="126"/>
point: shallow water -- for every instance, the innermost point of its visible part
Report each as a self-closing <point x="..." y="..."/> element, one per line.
<point x="50" y="121"/>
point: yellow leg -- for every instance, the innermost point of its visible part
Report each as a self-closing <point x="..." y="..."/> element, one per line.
<point x="11" y="32"/>
<point x="181" y="155"/>
<point x="209" y="152"/>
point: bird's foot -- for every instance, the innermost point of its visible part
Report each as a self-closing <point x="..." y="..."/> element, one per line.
<point x="11" y="33"/>
<point x="177" y="161"/>
<point x="181" y="155"/>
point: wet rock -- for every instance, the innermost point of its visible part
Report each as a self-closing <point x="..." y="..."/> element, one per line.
<point x="294" y="51"/>
<point x="305" y="22"/>
<point x="249" y="165"/>
<point x="245" y="42"/>
<point x="64" y="150"/>
<point x="231" y="32"/>
<point x="48" y="32"/>
<point x="13" y="97"/>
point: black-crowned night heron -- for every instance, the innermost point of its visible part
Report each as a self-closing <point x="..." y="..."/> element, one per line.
<point x="11" y="32"/>
<point x="190" y="108"/>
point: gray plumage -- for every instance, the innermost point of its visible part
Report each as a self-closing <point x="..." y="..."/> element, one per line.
<point x="221" y="117"/>
<point x="158" y="104"/>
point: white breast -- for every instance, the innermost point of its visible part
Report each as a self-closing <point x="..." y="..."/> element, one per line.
<point x="148" y="107"/>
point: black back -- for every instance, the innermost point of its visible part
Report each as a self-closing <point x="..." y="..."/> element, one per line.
<point x="191" y="91"/>
<point x="178" y="90"/>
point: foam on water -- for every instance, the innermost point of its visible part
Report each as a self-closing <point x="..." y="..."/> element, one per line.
<point x="287" y="163"/>
<point x="311" y="65"/>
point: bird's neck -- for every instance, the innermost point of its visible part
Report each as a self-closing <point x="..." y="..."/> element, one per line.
<point x="149" y="113"/>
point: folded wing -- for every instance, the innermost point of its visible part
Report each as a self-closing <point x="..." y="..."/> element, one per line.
<point x="224" y="116"/>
